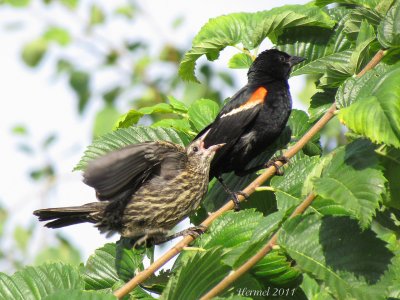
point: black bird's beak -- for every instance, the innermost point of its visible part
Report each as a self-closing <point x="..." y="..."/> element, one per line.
<point x="294" y="60"/>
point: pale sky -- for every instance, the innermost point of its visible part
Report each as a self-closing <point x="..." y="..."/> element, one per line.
<point x="32" y="97"/>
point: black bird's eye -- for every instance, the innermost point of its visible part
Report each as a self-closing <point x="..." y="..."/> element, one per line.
<point x="195" y="149"/>
<point x="282" y="58"/>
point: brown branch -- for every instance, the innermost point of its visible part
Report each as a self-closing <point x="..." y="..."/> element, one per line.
<point x="232" y="277"/>
<point x="142" y="276"/>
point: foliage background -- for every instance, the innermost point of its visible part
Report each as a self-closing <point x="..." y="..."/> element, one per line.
<point x="344" y="245"/>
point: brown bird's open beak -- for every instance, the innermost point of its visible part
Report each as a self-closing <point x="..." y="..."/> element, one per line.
<point x="215" y="147"/>
<point x="294" y="60"/>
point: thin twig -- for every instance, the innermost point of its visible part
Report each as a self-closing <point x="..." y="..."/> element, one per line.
<point x="142" y="276"/>
<point x="233" y="276"/>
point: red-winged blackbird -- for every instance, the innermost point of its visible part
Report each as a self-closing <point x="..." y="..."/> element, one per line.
<point x="254" y="117"/>
<point x="144" y="190"/>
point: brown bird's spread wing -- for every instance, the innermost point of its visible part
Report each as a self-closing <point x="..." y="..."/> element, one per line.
<point x="126" y="169"/>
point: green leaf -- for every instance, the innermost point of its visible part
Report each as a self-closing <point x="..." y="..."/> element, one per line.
<point x="18" y="3"/>
<point x="353" y="179"/>
<point x="97" y="15"/>
<point x="376" y="108"/>
<point x="71" y="4"/>
<point x="128" y="11"/>
<point x="288" y="188"/>
<point x="177" y="124"/>
<point x="38" y="282"/>
<point x="351" y="262"/>
<point x="320" y="46"/>
<point x="240" y="61"/>
<point x="390" y="160"/>
<point x="127" y="136"/>
<point x="365" y="37"/>
<point x="58" y="35"/>
<point x="79" y="295"/>
<point x="110" y="264"/>
<point x="365" y="3"/>
<point x="201" y="272"/>
<point x="389" y="29"/>
<point x="80" y="83"/>
<point x="133" y="116"/>
<point x="22" y="237"/>
<point x="320" y="103"/>
<point x="202" y="112"/>
<point x="250" y="29"/>
<point x="178" y="106"/>
<point x="104" y="120"/>
<point x="33" y="52"/>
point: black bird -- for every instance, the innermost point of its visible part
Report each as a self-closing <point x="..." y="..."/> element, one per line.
<point x="254" y="117"/>
<point x="144" y="191"/>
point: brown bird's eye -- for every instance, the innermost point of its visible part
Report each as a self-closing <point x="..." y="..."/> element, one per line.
<point x="195" y="149"/>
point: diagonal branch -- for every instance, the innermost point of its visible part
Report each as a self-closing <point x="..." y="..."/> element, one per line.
<point x="171" y="253"/>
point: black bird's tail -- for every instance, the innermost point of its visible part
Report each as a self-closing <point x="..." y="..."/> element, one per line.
<point x="66" y="216"/>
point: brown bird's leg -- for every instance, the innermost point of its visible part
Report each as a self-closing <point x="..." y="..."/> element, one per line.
<point x="150" y="238"/>
<point x="194" y="231"/>
<point x="233" y="194"/>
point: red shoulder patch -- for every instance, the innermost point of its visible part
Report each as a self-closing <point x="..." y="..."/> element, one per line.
<point x="258" y="97"/>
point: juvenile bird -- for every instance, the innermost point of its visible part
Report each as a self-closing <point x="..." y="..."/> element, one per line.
<point x="254" y="117"/>
<point x="144" y="191"/>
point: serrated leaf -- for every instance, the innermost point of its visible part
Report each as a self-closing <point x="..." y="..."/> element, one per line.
<point x="353" y="179"/>
<point x="390" y="160"/>
<point x="134" y="115"/>
<point x="38" y="282"/>
<point x="182" y="125"/>
<point x="376" y="108"/>
<point x="202" y="112"/>
<point x="320" y="103"/>
<point x="365" y="3"/>
<point x="201" y="272"/>
<point x="240" y="61"/>
<point x="250" y="29"/>
<point x="79" y="295"/>
<point x="389" y="29"/>
<point x="127" y="136"/>
<point x="177" y="105"/>
<point x="320" y="46"/>
<point x="365" y="37"/>
<point x="110" y="264"/>
<point x="288" y="188"/>
<point x="352" y="262"/>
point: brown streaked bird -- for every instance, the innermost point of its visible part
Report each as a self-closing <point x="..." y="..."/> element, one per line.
<point x="144" y="191"/>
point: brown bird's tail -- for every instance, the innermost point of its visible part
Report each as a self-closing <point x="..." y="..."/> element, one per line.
<point x="66" y="216"/>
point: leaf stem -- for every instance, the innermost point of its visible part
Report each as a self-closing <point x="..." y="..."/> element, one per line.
<point x="251" y="188"/>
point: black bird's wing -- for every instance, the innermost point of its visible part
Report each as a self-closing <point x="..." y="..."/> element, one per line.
<point x="235" y="118"/>
<point x="126" y="169"/>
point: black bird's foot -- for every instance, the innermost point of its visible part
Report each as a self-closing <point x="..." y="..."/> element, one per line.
<point x="232" y="194"/>
<point x="283" y="159"/>
<point x="235" y="199"/>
